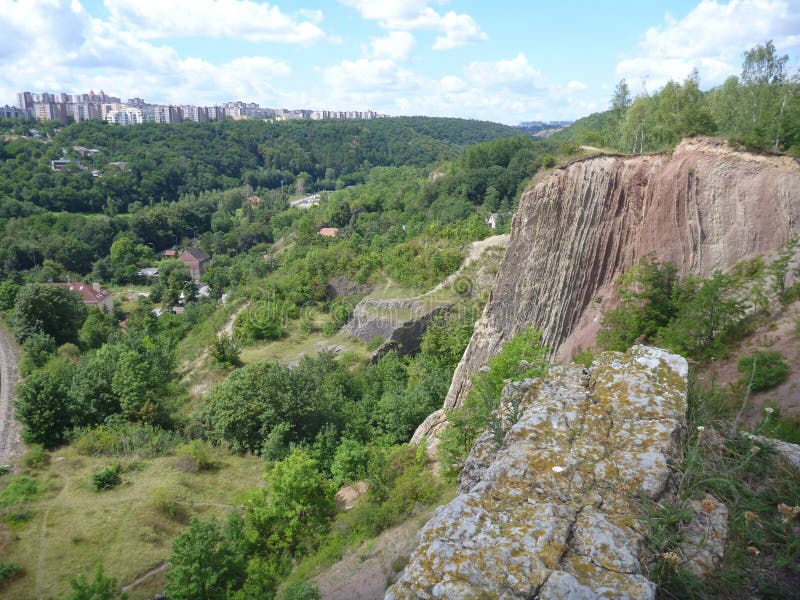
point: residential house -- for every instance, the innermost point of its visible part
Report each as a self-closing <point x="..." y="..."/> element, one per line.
<point x="492" y="220"/>
<point x="306" y="202"/>
<point x="62" y="163"/>
<point x="92" y="295"/>
<point x="196" y="259"/>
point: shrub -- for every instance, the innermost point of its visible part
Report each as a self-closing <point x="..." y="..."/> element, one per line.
<point x="763" y="370"/>
<point x="194" y="457"/>
<point x="165" y="502"/>
<point x="302" y="590"/>
<point x="124" y="439"/>
<point x="108" y="477"/>
<point x="19" y="489"/>
<point x="99" y="588"/>
<point x="522" y="357"/>
<point x="36" y="458"/>
<point x="7" y="570"/>
<point x="226" y="352"/>
<point x="349" y="462"/>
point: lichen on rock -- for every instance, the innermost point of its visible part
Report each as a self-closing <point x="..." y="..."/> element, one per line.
<point x="553" y="514"/>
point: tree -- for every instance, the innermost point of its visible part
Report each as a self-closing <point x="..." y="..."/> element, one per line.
<point x="762" y="66"/>
<point x="707" y="312"/>
<point x="8" y="294"/>
<point x="289" y="519"/>
<point x="646" y="304"/>
<point x="50" y="309"/>
<point x="203" y="565"/>
<point x="173" y="280"/>
<point x="96" y="329"/>
<point x="37" y="350"/>
<point x="43" y="405"/>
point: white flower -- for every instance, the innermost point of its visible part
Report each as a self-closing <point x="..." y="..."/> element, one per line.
<point x="700" y="428"/>
<point x="769" y="410"/>
<point x="558" y="469"/>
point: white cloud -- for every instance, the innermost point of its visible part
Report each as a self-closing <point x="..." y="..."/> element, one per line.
<point x="243" y="19"/>
<point x="455" y="30"/>
<point x="83" y="52"/>
<point x="396" y="46"/>
<point x="373" y="77"/>
<point x="509" y="90"/>
<point x="515" y="74"/>
<point x="576" y="86"/>
<point x="711" y="38"/>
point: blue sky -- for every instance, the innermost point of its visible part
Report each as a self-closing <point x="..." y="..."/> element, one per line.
<point x="506" y="61"/>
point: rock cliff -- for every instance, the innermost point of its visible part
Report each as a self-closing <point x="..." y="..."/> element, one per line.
<point x="552" y="512"/>
<point x="704" y="207"/>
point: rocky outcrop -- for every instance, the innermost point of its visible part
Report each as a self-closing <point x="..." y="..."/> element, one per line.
<point x="373" y="317"/>
<point x="552" y="513"/>
<point x="704" y="207"/>
<point x="403" y="321"/>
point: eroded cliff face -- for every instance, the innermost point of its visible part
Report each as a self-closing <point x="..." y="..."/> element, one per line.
<point x="704" y="207"/>
<point x="552" y="513"/>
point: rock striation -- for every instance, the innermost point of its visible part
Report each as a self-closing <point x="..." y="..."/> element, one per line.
<point x="704" y="207"/>
<point x="552" y="513"/>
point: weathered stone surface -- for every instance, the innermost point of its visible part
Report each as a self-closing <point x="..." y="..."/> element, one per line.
<point x="551" y="514"/>
<point x="703" y="544"/>
<point x="790" y="452"/>
<point x="704" y="207"/>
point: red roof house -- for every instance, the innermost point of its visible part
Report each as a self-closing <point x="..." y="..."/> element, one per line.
<point x="92" y="295"/>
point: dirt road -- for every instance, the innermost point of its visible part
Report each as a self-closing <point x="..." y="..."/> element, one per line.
<point x="11" y="447"/>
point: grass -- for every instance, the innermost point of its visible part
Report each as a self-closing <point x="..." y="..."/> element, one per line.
<point x="296" y="344"/>
<point x="72" y="527"/>
<point x="762" y="552"/>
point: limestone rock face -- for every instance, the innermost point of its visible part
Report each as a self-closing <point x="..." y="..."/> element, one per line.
<point x="704" y="207"/>
<point x="552" y="513"/>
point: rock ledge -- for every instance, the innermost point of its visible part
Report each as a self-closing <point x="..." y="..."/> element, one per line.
<point x="553" y="515"/>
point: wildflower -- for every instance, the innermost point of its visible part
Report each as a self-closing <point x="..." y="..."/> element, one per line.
<point x="708" y="505"/>
<point x="755" y="449"/>
<point x="788" y="512"/>
<point x="671" y="558"/>
<point x="557" y="469"/>
<point x="753" y="551"/>
<point x="769" y="410"/>
<point x="700" y="428"/>
<point x="750" y="516"/>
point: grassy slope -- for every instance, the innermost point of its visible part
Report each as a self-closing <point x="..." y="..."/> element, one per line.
<point x="72" y="527"/>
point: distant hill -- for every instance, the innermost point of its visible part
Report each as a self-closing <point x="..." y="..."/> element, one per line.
<point x="459" y="132"/>
<point x="542" y="129"/>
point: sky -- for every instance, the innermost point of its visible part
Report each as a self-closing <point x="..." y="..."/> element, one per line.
<point x="502" y="60"/>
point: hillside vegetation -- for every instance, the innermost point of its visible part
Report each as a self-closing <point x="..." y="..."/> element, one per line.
<point x="759" y="109"/>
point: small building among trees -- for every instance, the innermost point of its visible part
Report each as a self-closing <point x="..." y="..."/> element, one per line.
<point x="196" y="259"/>
<point x="92" y="295"/>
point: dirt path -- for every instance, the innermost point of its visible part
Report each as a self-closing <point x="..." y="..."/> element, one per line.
<point x="11" y="446"/>
<point x="145" y="576"/>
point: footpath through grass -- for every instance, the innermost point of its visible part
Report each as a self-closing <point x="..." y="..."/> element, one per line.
<point x="55" y="526"/>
